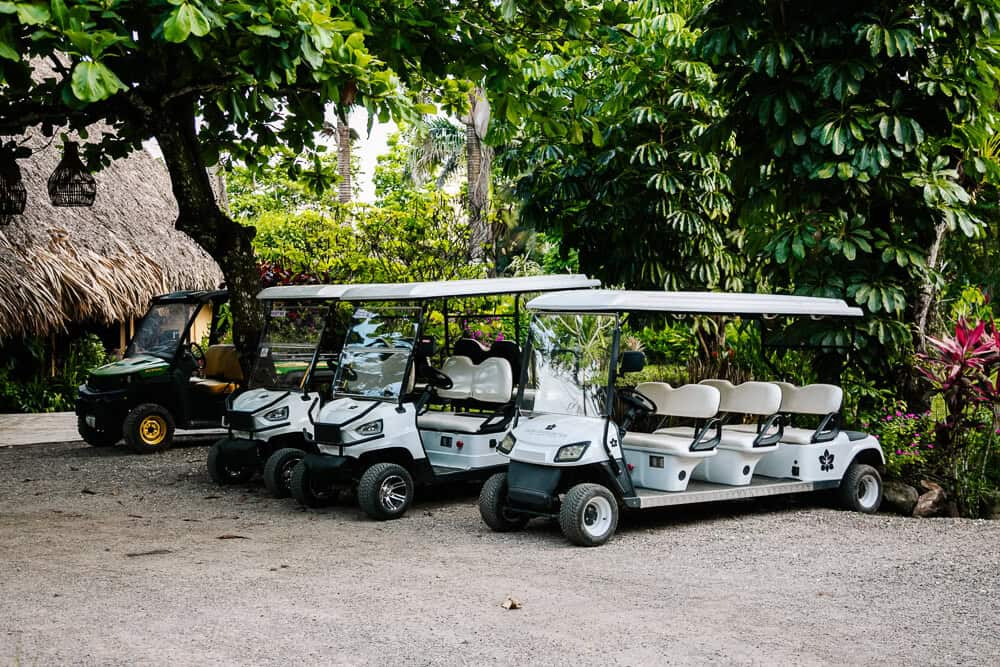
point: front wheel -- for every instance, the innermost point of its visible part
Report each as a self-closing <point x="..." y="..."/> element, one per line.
<point x="861" y="489"/>
<point x="589" y="515"/>
<point x="96" y="438"/>
<point x="493" y="506"/>
<point x="303" y="487"/>
<point x="149" y="428"/>
<point x="223" y="472"/>
<point x="278" y="471"/>
<point x="385" y="491"/>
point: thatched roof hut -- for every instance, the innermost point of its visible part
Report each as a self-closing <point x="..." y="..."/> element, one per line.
<point x="101" y="264"/>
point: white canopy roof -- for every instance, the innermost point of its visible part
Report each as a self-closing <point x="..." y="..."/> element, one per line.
<point x="706" y="303"/>
<point x="462" y="288"/>
<point x="291" y="292"/>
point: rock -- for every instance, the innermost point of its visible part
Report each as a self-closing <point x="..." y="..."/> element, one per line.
<point x="927" y="485"/>
<point x="930" y="503"/>
<point x="900" y="497"/>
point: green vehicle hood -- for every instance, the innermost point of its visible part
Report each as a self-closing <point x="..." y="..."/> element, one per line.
<point x="144" y="364"/>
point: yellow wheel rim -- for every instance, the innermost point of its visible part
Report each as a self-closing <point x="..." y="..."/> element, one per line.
<point x="153" y="430"/>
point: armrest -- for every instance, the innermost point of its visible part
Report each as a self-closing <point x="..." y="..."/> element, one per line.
<point x="708" y="436"/>
<point x="504" y="414"/>
<point x="766" y="436"/>
<point x="828" y="429"/>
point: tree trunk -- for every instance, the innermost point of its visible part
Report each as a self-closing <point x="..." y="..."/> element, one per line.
<point x="925" y="301"/>
<point x="478" y="176"/>
<point x="344" y="160"/>
<point x="200" y="217"/>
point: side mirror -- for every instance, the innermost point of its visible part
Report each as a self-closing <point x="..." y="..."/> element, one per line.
<point x="426" y="346"/>
<point x="632" y="362"/>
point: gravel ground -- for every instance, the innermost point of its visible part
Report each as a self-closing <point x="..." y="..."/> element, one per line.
<point x="111" y="558"/>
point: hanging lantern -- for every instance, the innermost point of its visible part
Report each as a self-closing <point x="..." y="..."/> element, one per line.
<point x="70" y="184"/>
<point x="13" y="196"/>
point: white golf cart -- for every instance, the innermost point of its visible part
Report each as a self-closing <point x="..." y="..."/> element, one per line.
<point x="570" y="459"/>
<point x="270" y="424"/>
<point x="379" y="434"/>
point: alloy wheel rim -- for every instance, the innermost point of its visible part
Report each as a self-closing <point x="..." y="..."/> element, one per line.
<point x="392" y="492"/>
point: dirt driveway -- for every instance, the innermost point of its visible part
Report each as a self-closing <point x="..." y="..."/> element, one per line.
<point x="112" y="558"/>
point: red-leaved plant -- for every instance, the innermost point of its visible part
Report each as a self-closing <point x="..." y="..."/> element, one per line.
<point x="963" y="368"/>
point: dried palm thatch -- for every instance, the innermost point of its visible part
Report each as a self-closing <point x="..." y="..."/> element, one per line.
<point x="100" y="264"/>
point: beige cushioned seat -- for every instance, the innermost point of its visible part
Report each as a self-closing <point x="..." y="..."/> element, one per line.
<point x="223" y="372"/>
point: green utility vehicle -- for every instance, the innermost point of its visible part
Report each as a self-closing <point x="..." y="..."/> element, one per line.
<point x="174" y="374"/>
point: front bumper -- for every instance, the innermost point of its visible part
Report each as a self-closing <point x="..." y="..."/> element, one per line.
<point x="533" y="487"/>
<point x="330" y="469"/>
<point x="240" y="452"/>
<point x="104" y="406"/>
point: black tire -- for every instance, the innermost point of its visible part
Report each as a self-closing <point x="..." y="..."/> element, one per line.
<point x="589" y="515"/>
<point x="223" y="472"/>
<point x="278" y="471"/>
<point x="149" y="428"/>
<point x="493" y="506"/>
<point x="385" y="491"/>
<point x="303" y="490"/>
<point x="861" y="489"/>
<point x="96" y="438"/>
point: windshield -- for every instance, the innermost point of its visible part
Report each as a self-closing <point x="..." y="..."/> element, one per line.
<point x="285" y="353"/>
<point x="162" y="329"/>
<point x="568" y="370"/>
<point x="377" y="349"/>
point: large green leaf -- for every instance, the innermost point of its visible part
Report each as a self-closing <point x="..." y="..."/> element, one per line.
<point x="184" y="21"/>
<point x="93" y="82"/>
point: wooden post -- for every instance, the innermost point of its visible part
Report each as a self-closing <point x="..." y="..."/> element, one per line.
<point x="122" y="337"/>
<point x="52" y="354"/>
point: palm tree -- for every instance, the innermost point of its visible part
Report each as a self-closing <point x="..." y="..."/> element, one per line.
<point x="441" y="148"/>
<point x="344" y="135"/>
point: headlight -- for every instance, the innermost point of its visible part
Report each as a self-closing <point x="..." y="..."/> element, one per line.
<point x="277" y="414"/>
<point x="370" y="428"/>
<point x="572" y="452"/>
<point x="507" y="444"/>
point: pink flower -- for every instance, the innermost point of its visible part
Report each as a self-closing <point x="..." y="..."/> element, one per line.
<point x="899" y="452"/>
<point x="898" y="413"/>
<point x="888" y="418"/>
<point x="930" y="446"/>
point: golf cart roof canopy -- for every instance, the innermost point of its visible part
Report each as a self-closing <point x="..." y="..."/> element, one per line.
<point x="462" y="288"/>
<point x="701" y="303"/>
<point x="193" y="296"/>
<point x="292" y="292"/>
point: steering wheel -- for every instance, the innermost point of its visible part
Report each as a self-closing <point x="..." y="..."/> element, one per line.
<point x="436" y="378"/>
<point x="197" y="354"/>
<point x="637" y="400"/>
<point x="380" y="341"/>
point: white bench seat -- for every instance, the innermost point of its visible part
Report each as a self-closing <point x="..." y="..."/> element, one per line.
<point x="665" y="443"/>
<point x="732" y="438"/>
<point x="450" y="422"/>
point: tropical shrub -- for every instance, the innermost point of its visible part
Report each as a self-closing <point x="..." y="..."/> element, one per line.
<point x="907" y="441"/>
<point x="963" y="371"/>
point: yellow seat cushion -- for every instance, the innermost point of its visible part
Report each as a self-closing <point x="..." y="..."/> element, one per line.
<point x="222" y="362"/>
<point x="211" y="386"/>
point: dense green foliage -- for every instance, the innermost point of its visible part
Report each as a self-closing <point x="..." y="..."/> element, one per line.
<point x="25" y="381"/>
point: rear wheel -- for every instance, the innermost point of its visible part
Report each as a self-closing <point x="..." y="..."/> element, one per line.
<point x="589" y="515"/>
<point x="224" y="472"/>
<point x="94" y="437"/>
<point x="278" y="471"/>
<point x="385" y="491"/>
<point x="493" y="506"/>
<point x="303" y="487"/>
<point x="149" y="428"/>
<point x="861" y="489"/>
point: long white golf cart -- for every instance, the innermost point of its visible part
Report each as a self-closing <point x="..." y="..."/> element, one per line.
<point x="380" y="433"/>
<point x="270" y="424"/>
<point x="574" y="459"/>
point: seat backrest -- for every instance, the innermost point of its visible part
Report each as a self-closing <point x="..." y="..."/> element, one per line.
<point x="511" y="352"/>
<point x="471" y="348"/>
<point x="222" y="362"/>
<point x="462" y="372"/>
<point x="493" y="382"/>
<point x="694" y="401"/>
<point x="811" y="399"/>
<point x="748" y="398"/>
